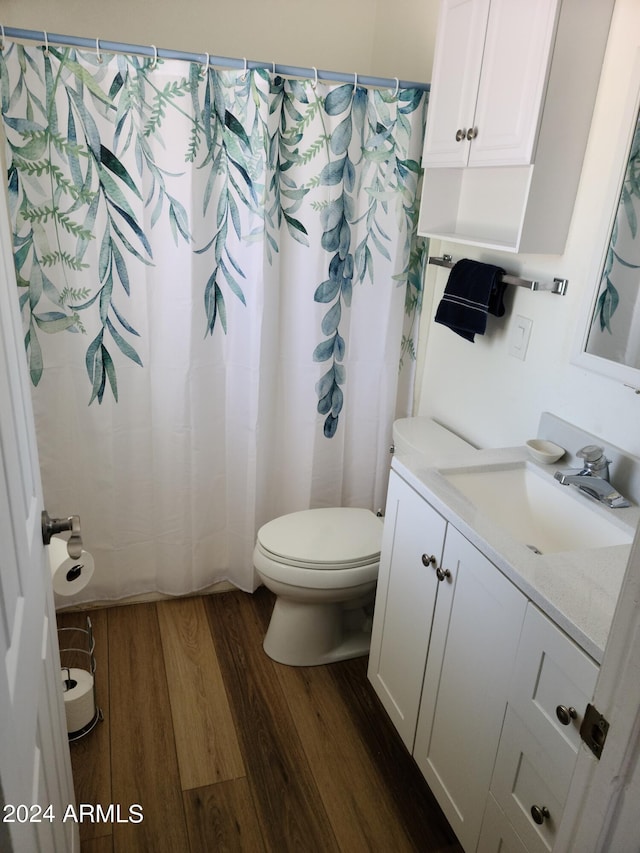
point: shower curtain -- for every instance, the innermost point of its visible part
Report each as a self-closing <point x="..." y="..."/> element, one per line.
<point x="218" y="277"/>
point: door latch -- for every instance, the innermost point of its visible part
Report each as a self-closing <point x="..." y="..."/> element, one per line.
<point x="593" y="730"/>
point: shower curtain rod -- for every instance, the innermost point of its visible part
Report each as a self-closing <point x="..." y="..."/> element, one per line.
<point x="98" y="45"/>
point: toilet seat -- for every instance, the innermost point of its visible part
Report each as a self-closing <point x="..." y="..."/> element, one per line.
<point x="327" y="538"/>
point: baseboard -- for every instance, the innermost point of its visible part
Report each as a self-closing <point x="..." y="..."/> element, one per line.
<point x="144" y="598"/>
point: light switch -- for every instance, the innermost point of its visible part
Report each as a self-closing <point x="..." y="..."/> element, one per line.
<point x="519" y="336"/>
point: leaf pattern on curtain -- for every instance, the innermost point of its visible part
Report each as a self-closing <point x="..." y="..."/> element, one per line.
<point x="609" y="297"/>
<point x="88" y="166"/>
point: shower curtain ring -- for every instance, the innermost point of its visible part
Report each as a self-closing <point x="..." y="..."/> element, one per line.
<point x="314" y="82"/>
<point x="46" y="42"/>
<point x="154" y="61"/>
<point x="207" y="62"/>
<point x="355" y="82"/>
<point x="245" y="68"/>
<point x="1" y="37"/>
<point x="98" y="54"/>
<point x="397" y="89"/>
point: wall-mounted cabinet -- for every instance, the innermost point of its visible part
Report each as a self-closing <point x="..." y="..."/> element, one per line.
<point x="489" y="75"/>
<point x="512" y="95"/>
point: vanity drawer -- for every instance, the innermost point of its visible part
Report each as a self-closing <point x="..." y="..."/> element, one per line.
<point x="528" y="777"/>
<point x="552" y="674"/>
<point x="497" y="834"/>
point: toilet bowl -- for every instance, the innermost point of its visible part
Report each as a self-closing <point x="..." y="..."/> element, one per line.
<point x="322" y="565"/>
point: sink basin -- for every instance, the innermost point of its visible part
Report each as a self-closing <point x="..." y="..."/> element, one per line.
<point x="537" y="511"/>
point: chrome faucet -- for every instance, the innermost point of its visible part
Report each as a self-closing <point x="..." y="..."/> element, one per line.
<point x="593" y="477"/>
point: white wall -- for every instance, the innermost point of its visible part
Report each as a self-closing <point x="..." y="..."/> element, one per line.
<point x="480" y="390"/>
<point x="378" y="37"/>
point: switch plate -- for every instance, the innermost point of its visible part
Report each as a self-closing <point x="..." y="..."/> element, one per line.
<point x="519" y="337"/>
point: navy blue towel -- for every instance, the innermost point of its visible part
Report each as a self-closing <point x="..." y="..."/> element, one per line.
<point x="473" y="290"/>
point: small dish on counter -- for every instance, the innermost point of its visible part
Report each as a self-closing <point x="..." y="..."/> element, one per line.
<point x="544" y="451"/>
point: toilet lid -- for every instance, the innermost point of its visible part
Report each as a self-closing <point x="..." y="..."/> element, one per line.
<point x="345" y="535"/>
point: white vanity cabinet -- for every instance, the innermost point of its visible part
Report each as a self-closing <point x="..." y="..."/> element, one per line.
<point x="444" y="639"/>
<point x="488" y="81"/>
<point x="486" y="691"/>
<point x="512" y="94"/>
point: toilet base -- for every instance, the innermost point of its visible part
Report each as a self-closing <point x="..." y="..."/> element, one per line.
<point x="304" y="634"/>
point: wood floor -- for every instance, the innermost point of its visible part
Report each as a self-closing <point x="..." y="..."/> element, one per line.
<point x="226" y="750"/>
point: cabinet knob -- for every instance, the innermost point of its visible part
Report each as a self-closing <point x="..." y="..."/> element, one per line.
<point x="472" y="133"/>
<point x="428" y="560"/>
<point x="442" y="573"/>
<point x="565" y="715"/>
<point x="461" y="134"/>
<point x="540" y="814"/>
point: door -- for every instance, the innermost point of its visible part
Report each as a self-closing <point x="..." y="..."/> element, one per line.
<point x="454" y="87"/>
<point x="476" y="627"/>
<point x="35" y="767"/>
<point x="405" y="598"/>
<point x="489" y="78"/>
<point x="515" y="65"/>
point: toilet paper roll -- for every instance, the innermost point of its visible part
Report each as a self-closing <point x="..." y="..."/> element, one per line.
<point x="68" y="575"/>
<point x="79" y="705"/>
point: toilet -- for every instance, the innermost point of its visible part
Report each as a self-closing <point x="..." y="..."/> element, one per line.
<point x="322" y="565"/>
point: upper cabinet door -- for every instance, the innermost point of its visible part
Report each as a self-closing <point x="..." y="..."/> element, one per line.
<point x="490" y="71"/>
<point x="454" y="86"/>
<point x="515" y="65"/>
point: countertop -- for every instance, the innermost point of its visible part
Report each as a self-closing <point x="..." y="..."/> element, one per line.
<point x="578" y="590"/>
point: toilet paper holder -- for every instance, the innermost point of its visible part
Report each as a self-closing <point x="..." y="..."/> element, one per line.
<point x="80" y="658"/>
<point x="51" y="526"/>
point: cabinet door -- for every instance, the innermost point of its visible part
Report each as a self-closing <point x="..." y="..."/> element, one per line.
<point x="454" y="84"/>
<point x="475" y="635"/>
<point x="489" y="79"/>
<point x="405" y="600"/>
<point x="511" y="91"/>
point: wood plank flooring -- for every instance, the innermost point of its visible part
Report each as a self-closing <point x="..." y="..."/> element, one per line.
<point x="226" y="750"/>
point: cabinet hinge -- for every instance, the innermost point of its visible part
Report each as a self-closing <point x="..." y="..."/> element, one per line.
<point x="593" y="730"/>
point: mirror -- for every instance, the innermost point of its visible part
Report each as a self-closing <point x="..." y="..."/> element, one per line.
<point x="610" y="342"/>
<point x="614" y="331"/>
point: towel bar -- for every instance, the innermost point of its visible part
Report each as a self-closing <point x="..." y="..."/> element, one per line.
<point x="558" y="286"/>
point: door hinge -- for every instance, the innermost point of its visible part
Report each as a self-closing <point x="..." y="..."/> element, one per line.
<point x="593" y="730"/>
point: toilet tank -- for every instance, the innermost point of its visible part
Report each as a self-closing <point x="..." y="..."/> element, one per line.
<point x="426" y="437"/>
